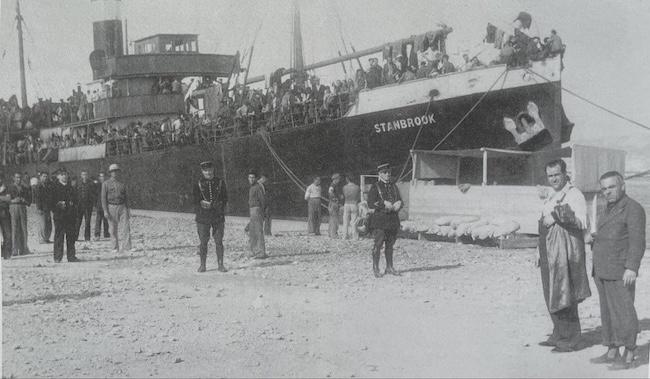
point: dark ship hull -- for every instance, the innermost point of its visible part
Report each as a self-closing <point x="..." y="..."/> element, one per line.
<point x="162" y="180"/>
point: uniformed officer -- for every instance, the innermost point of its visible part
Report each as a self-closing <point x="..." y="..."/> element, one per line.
<point x="210" y="198"/>
<point x="116" y="209"/>
<point x="63" y="202"/>
<point x="385" y="202"/>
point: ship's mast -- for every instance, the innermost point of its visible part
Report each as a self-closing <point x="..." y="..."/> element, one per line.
<point x="298" y="62"/>
<point x="23" y="89"/>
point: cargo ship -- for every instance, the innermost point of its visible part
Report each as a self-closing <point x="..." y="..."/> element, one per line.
<point x="499" y="106"/>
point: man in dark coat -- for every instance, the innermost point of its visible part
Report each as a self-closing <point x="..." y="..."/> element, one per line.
<point x="562" y="257"/>
<point x="86" y="194"/>
<point x="619" y="245"/>
<point x="374" y="75"/>
<point x="210" y="198"/>
<point x="385" y="202"/>
<point x="63" y="202"/>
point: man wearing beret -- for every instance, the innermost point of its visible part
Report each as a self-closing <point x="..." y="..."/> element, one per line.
<point x="210" y="198"/>
<point x="385" y="202"/>
<point x="63" y="202"/>
<point x="618" y="247"/>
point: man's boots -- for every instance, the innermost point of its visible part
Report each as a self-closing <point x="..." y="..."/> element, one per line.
<point x="375" y="263"/>
<point x="389" y="264"/>
<point x="202" y="266"/>
<point x="221" y="267"/>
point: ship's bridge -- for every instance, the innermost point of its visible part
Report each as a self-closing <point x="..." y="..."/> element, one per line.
<point x="163" y="55"/>
<point x="167" y="43"/>
<point x="134" y="79"/>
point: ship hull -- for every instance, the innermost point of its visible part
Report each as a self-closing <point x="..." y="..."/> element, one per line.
<point x="162" y="180"/>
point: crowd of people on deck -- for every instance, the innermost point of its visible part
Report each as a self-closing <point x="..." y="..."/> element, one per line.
<point x="294" y="102"/>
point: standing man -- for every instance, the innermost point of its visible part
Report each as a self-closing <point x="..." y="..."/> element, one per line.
<point x="352" y="195"/>
<point x="100" y="218"/>
<point x="116" y="209"/>
<point x="20" y="199"/>
<point x="86" y="194"/>
<point x="313" y="196"/>
<point x="41" y="198"/>
<point x="619" y="245"/>
<point x="256" y="204"/>
<point x="5" y="218"/>
<point x="385" y="202"/>
<point x="63" y="202"/>
<point x="263" y="181"/>
<point x="210" y="198"/>
<point x="335" y="199"/>
<point x="562" y="257"/>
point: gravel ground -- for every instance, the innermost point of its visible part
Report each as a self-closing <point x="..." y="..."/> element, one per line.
<point x="312" y="310"/>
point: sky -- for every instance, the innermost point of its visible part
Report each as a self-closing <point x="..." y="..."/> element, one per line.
<point x="606" y="58"/>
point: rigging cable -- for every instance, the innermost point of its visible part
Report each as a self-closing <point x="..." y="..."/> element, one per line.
<point x="292" y="176"/>
<point x="459" y="122"/>
<point x="594" y="104"/>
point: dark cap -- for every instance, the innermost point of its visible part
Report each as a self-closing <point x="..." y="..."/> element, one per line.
<point x="252" y="172"/>
<point x="206" y="165"/>
<point x="383" y="167"/>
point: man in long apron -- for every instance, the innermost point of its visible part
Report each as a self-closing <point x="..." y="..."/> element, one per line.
<point x="562" y="257"/>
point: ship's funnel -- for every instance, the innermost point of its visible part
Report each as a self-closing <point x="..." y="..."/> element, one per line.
<point x="107" y="27"/>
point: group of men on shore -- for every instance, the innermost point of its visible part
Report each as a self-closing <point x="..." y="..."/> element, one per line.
<point x="68" y="205"/>
<point x="618" y="242"/>
<point x="384" y="202"/>
<point x="616" y="233"/>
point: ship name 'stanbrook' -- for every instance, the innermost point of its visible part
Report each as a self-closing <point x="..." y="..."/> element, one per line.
<point x="404" y="123"/>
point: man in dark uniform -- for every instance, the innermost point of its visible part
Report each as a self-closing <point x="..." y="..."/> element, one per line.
<point x="41" y="199"/>
<point x="5" y="218"/>
<point x="210" y="198"/>
<point x="619" y="245"/>
<point x="86" y="195"/>
<point x="385" y="202"/>
<point x="100" y="218"/>
<point x="63" y="202"/>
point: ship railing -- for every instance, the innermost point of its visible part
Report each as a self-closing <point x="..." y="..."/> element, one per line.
<point x="226" y="127"/>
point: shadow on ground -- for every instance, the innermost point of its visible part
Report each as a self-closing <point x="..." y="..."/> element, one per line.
<point x="592" y="337"/>
<point x="53" y="297"/>
<point x="430" y="268"/>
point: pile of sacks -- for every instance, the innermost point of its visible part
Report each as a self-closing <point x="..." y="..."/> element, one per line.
<point x="458" y="226"/>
